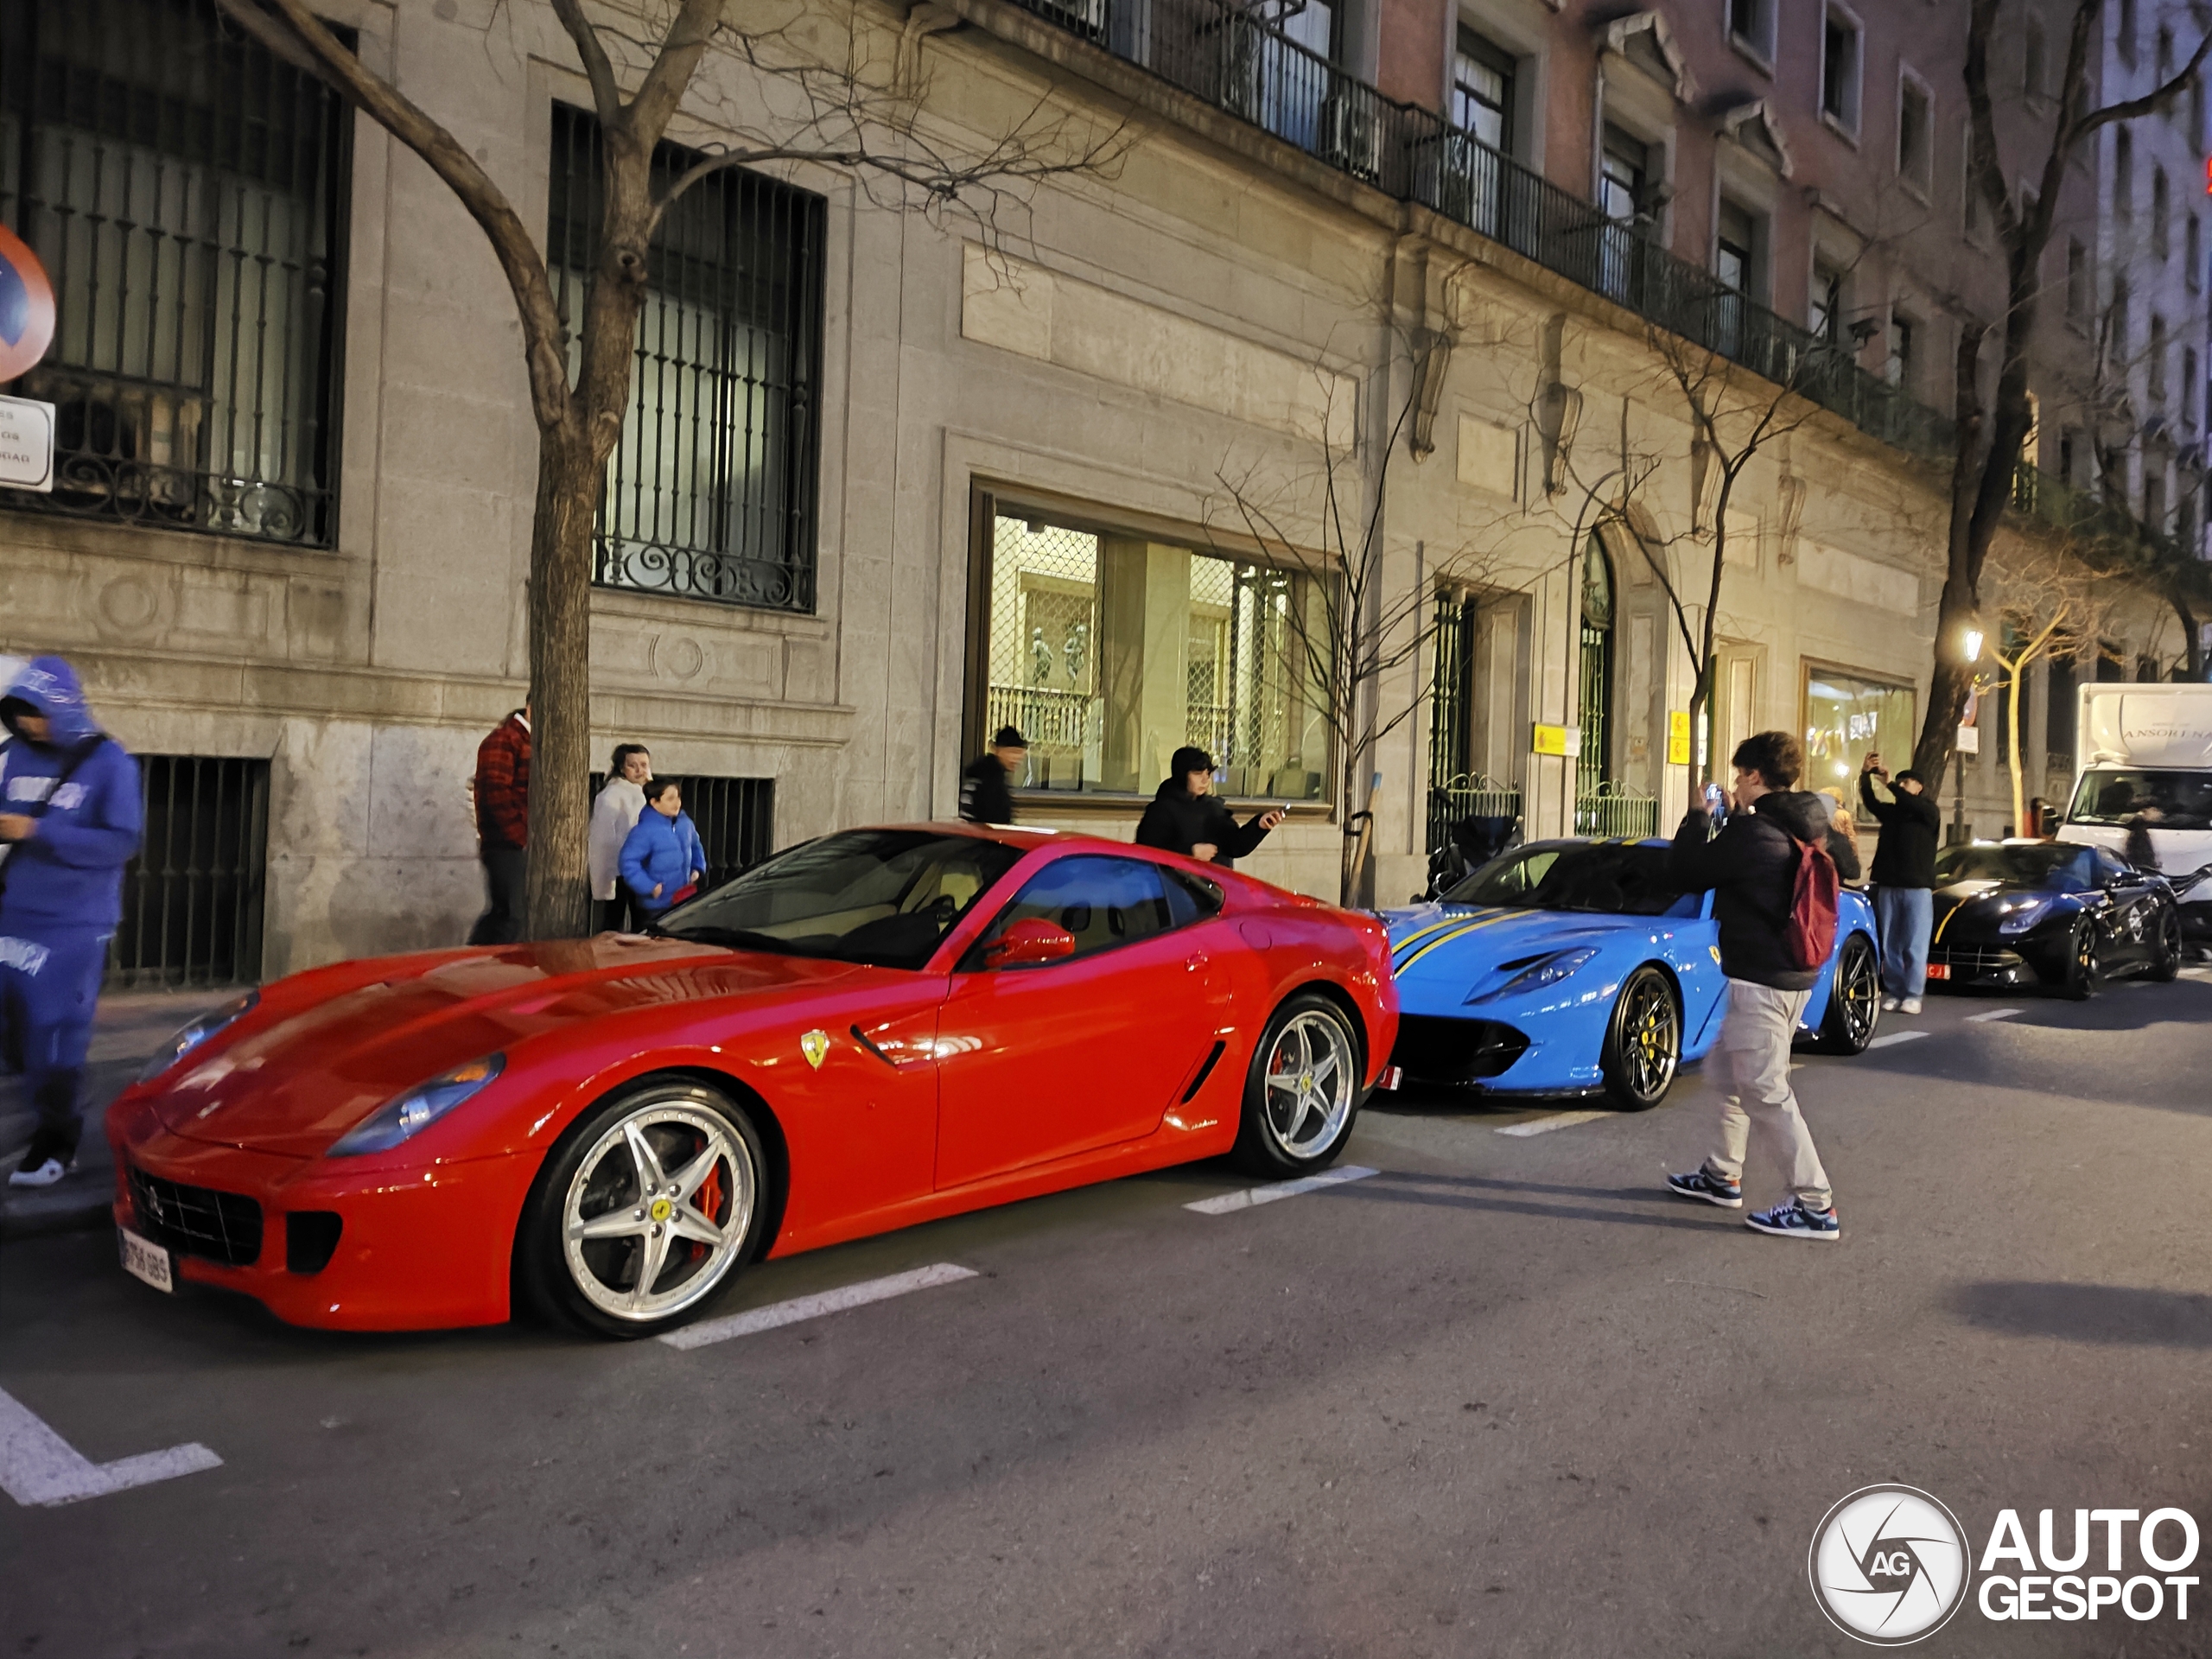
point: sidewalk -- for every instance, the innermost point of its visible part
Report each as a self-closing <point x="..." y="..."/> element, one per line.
<point x="131" y="1025"/>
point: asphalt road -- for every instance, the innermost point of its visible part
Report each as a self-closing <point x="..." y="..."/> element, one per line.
<point x="1502" y="1397"/>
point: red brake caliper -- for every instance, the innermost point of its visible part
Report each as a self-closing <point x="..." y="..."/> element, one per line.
<point x="708" y="1201"/>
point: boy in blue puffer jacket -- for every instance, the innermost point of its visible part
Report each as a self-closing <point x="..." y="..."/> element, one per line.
<point x="664" y="855"/>
<point x="70" y="819"/>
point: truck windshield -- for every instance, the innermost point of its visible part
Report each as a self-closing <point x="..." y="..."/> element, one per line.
<point x="2163" y="800"/>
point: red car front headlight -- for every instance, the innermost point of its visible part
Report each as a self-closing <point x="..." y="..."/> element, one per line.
<point x="407" y="1116"/>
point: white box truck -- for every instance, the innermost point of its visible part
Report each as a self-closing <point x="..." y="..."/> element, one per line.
<point x="2144" y="767"/>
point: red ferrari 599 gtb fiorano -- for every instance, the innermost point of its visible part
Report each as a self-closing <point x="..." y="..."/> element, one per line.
<point x="877" y="1028"/>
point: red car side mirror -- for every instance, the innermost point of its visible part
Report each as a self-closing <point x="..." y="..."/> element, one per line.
<point x="1032" y="939"/>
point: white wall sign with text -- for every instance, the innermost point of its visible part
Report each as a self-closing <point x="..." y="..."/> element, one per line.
<point x="26" y="444"/>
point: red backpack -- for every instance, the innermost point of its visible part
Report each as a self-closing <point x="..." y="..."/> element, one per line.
<point x="1809" y="935"/>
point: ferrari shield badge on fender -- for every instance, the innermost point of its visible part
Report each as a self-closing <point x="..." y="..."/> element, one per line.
<point x="816" y="1047"/>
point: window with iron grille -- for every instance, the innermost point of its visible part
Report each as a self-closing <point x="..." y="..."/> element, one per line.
<point x="185" y="192"/>
<point x="735" y="818"/>
<point x="192" y="898"/>
<point x="710" y="493"/>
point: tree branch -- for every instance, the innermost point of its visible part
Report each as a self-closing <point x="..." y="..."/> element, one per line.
<point x="606" y="94"/>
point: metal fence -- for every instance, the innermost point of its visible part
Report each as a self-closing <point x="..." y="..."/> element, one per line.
<point x="192" y="898"/>
<point x="186" y="192"/>
<point x="1231" y="56"/>
<point x="711" y="492"/>
<point x="1466" y="798"/>
<point x="735" y="818"/>
<point x="1616" y="812"/>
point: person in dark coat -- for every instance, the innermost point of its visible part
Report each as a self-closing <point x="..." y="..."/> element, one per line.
<point x="1186" y="816"/>
<point x="985" y="797"/>
<point x="1904" y="879"/>
<point x="70" y="818"/>
<point x="1751" y="867"/>
<point x="502" y="828"/>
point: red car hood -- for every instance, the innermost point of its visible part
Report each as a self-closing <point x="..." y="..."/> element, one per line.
<point x="293" y="1083"/>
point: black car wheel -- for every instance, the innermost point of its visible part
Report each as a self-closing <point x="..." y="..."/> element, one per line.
<point x="1854" y="1000"/>
<point x="2165" y="953"/>
<point x="2085" y="975"/>
<point x="1644" y="1041"/>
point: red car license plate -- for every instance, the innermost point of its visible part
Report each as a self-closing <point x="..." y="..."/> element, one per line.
<point x="1939" y="970"/>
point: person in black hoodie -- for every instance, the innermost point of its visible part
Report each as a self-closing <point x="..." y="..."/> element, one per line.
<point x="1751" y="868"/>
<point x="984" y="796"/>
<point x="1186" y="817"/>
<point x="1904" y="879"/>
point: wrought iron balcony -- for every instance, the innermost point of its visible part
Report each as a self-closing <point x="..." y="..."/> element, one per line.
<point x="1229" y="56"/>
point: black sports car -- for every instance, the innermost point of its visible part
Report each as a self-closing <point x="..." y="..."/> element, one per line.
<point x="2050" y="913"/>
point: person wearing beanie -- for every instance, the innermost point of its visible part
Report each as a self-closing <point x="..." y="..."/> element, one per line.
<point x="1187" y="816"/>
<point x="985" y="797"/>
<point x="1904" y="879"/>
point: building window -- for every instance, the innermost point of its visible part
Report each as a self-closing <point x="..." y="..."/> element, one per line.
<point x="1848" y="715"/>
<point x="2034" y="75"/>
<point x="1109" y="651"/>
<point x="1841" y="43"/>
<point x="2189" y="386"/>
<point x="1824" y="316"/>
<point x="2123" y="173"/>
<point x="2061" y="682"/>
<point x="1623" y="191"/>
<point x="1751" y="26"/>
<point x="2120" y="329"/>
<point x="2161" y="207"/>
<point x="2155" y="368"/>
<point x="1973" y="214"/>
<point x="1593" y="708"/>
<point x="2077" y="280"/>
<point x="2166" y="60"/>
<point x="710" y="493"/>
<point x="2192" y="253"/>
<point x="2154" y="499"/>
<point x="2066" y="459"/>
<point x="185" y="192"/>
<point x="1915" y="145"/>
<point x="2125" y="31"/>
<point x="1482" y="91"/>
<point x="193" y="892"/>
<point x="1735" y="246"/>
<point x="1898" y="371"/>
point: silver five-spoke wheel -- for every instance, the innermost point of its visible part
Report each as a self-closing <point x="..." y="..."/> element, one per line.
<point x="1312" y="1080"/>
<point x="658" y="1209"/>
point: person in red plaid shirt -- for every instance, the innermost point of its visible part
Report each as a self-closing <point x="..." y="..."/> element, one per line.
<point x="502" y="828"/>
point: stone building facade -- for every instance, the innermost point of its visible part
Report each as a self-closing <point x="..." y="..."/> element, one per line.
<point x="1084" y="464"/>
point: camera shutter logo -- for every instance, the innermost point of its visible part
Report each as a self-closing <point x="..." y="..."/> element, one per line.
<point x="1889" y="1565"/>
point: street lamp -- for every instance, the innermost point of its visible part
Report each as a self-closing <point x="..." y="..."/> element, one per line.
<point x="1970" y="648"/>
<point x="1971" y="640"/>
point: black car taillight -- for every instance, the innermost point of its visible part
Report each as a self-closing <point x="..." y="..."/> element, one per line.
<point x="311" y="1239"/>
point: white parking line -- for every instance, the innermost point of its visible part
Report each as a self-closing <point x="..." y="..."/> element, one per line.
<point x="1995" y="1013"/>
<point x="1255" y="1195"/>
<point x="756" y="1319"/>
<point x="1896" y="1037"/>
<point x="1557" y="1121"/>
<point x="37" y="1467"/>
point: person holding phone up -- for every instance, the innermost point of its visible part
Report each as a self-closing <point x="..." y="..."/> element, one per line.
<point x="1187" y="816"/>
<point x="1904" y="879"/>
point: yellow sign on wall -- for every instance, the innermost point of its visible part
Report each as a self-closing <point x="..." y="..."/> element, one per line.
<point x="1565" y="740"/>
<point x="1678" y="737"/>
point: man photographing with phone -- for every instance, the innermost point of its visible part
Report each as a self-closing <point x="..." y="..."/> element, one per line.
<point x="1187" y="816"/>
<point x="1904" y="879"/>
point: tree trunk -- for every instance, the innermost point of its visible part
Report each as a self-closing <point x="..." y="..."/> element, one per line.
<point x="2192" y="638"/>
<point x="560" y="673"/>
<point x="1953" y="676"/>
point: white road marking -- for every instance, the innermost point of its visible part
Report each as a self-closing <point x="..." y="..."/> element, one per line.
<point x="1557" y="1121"/>
<point x="37" y="1467"/>
<point x="1896" y="1037"/>
<point x="1995" y="1013"/>
<point x="756" y="1319"/>
<point x="1229" y="1202"/>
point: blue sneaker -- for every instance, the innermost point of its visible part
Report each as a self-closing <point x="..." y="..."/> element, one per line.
<point x="1794" y="1220"/>
<point x="1701" y="1182"/>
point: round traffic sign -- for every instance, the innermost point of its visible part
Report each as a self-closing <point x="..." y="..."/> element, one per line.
<point x="26" y="307"/>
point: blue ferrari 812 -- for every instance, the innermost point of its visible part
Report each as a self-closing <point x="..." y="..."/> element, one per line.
<point x="1579" y="967"/>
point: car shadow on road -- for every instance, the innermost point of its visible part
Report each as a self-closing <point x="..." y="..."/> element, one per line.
<point x="1479" y="1192"/>
<point x="2099" y="1313"/>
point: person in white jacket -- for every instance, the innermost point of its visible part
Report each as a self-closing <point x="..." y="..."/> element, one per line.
<point x="612" y="817"/>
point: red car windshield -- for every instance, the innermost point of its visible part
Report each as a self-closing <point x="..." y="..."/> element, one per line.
<point x="883" y="896"/>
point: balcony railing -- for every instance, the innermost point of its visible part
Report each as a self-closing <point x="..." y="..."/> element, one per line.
<point x="1611" y="811"/>
<point x="1231" y="57"/>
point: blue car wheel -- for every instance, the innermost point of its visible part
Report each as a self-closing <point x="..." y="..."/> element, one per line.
<point x="1644" y="1041"/>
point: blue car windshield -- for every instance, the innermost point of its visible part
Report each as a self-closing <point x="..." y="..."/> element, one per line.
<point x="1608" y="877"/>
<point x="2057" y="866"/>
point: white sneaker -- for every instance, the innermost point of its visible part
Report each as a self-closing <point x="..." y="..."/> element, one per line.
<point x="1910" y="1005"/>
<point x="1890" y="1004"/>
<point x="45" y="1175"/>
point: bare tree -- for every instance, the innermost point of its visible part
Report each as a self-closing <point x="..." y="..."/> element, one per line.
<point x="862" y="115"/>
<point x="2047" y="599"/>
<point x="1990" y="436"/>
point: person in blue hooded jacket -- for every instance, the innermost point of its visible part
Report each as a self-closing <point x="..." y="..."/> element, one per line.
<point x="664" y="855"/>
<point x="70" y="819"/>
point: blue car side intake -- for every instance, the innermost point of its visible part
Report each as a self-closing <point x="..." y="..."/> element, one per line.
<point x="1517" y="997"/>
